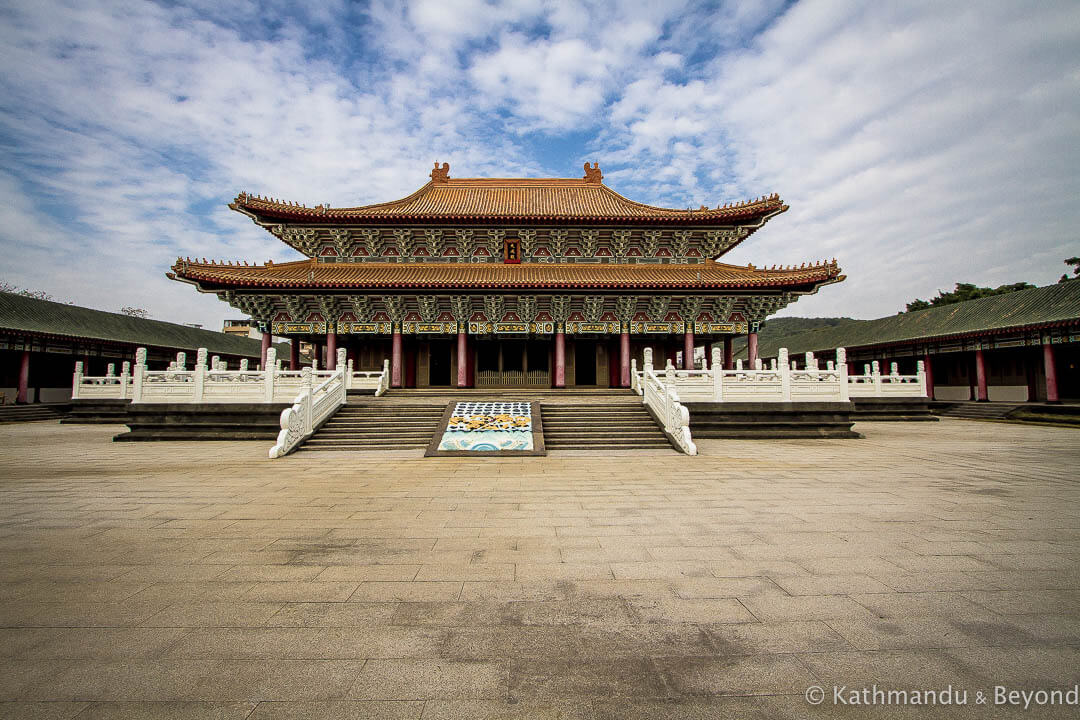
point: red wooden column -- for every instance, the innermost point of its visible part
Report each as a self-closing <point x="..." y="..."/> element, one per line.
<point x="266" y="337"/>
<point x="462" y="357"/>
<point x="751" y="349"/>
<point x="560" y="357"/>
<point x="980" y="377"/>
<point x="929" y="376"/>
<point x="331" y="351"/>
<point x="294" y="354"/>
<point x="22" y="397"/>
<point x="729" y="359"/>
<point x="1049" y="368"/>
<point x="395" y="358"/>
<point x="624" y="358"/>
<point x="688" y="350"/>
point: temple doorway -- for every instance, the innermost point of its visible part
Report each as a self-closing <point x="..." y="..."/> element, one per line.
<point x="585" y="362"/>
<point x="440" y="362"/>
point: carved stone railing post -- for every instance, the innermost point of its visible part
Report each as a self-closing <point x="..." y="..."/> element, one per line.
<point x="633" y="374"/>
<point x="647" y="364"/>
<point x="841" y="366"/>
<point x="110" y="370"/>
<point x="785" y="375"/>
<point x="244" y="365"/>
<point x="757" y="364"/>
<point x="138" y="374"/>
<point x="125" y="379"/>
<point x="76" y="380"/>
<point x="894" y="369"/>
<point x="181" y="361"/>
<point x="215" y="363"/>
<point x="875" y="370"/>
<point x="717" y="366"/>
<point x="200" y="375"/>
<point x="269" y="376"/>
<point x="920" y="372"/>
<point x="348" y="374"/>
<point x="738" y="364"/>
<point x="307" y="376"/>
<point x="341" y="355"/>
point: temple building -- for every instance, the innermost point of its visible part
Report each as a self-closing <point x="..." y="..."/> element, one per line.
<point x="508" y="282"/>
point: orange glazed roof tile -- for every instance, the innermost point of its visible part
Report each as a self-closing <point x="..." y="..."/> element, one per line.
<point x="532" y="199"/>
<point x="310" y="274"/>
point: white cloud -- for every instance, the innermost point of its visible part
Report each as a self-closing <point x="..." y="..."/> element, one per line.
<point x="921" y="144"/>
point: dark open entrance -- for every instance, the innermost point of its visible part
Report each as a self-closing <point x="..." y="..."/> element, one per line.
<point x="585" y="362"/>
<point x="440" y="359"/>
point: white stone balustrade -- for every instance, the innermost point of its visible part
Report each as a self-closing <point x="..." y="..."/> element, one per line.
<point x="660" y="396"/>
<point x="311" y="408"/>
<point x="213" y="383"/>
<point x="785" y="382"/>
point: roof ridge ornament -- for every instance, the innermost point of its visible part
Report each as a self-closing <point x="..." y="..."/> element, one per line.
<point x="593" y="176"/>
<point x="440" y="174"/>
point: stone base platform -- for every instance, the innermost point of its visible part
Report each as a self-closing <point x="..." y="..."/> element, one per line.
<point x="105" y="411"/>
<point x="202" y="421"/>
<point x="893" y="409"/>
<point x="771" y="420"/>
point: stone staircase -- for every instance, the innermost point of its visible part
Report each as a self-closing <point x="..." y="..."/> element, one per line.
<point x="378" y="424"/>
<point x="601" y="426"/>
<point x="591" y="419"/>
<point x="31" y="412"/>
<point x="974" y="410"/>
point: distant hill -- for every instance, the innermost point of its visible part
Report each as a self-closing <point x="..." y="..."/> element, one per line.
<point x="776" y="329"/>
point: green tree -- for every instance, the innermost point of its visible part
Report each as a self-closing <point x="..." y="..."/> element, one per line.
<point x="964" y="292"/>
<point x="1075" y="263"/>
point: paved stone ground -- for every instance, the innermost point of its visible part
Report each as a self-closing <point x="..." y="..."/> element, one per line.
<point x="200" y="580"/>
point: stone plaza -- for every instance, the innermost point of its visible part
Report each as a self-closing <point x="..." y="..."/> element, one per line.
<point x="201" y="580"/>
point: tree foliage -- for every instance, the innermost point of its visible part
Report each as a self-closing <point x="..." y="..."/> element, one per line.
<point x="135" y="312"/>
<point x="15" y="289"/>
<point x="1075" y="263"/>
<point x="963" y="292"/>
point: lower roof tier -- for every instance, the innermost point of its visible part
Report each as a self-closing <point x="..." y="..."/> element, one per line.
<point x="308" y="274"/>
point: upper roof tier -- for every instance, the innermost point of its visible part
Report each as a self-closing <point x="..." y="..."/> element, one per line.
<point x="526" y="200"/>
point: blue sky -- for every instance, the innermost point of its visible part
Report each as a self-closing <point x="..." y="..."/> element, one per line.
<point x="920" y="143"/>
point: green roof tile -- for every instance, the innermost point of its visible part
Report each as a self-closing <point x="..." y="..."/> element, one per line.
<point x="1053" y="304"/>
<point x="19" y="313"/>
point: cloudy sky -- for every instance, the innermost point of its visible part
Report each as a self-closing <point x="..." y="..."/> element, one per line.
<point x="921" y="144"/>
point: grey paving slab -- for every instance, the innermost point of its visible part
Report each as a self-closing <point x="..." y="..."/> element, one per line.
<point x="201" y="580"/>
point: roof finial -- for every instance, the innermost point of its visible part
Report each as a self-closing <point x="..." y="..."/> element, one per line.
<point x="440" y="174"/>
<point x="593" y="174"/>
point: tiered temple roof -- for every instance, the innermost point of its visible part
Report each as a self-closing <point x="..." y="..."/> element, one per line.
<point x="310" y="274"/>
<point x="528" y="200"/>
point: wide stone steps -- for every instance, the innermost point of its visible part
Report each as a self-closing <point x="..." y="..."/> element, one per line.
<point x="29" y="413"/>
<point x="378" y="424"/>
<point x="975" y="410"/>
<point x="600" y="426"/>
